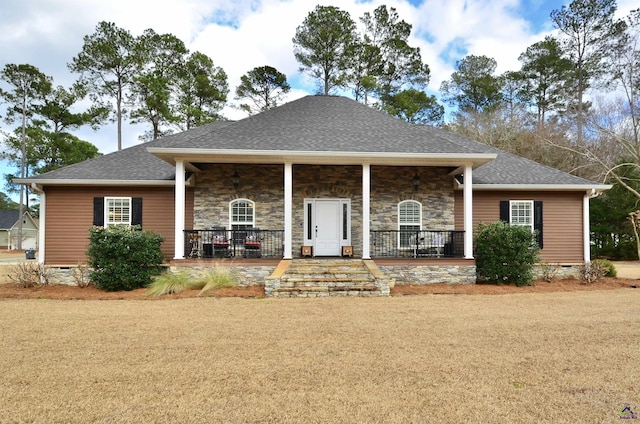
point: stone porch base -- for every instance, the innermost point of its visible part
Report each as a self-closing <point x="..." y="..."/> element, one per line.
<point x="251" y="272"/>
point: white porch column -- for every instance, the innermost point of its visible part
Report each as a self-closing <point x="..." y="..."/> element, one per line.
<point x="179" y="211"/>
<point x="288" y="207"/>
<point x="586" y="230"/>
<point x="468" y="212"/>
<point x="41" y="227"/>
<point x="366" y="212"/>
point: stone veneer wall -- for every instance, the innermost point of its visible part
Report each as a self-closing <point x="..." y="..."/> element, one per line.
<point x="406" y="274"/>
<point x="263" y="184"/>
<point x="391" y="185"/>
<point x="402" y="274"/>
<point x="429" y="274"/>
<point x="63" y="276"/>
<point x="556" y="271"/>
<point x="248" y="275"/>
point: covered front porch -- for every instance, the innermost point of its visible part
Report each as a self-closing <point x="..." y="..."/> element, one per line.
<point x="266" y="210"/>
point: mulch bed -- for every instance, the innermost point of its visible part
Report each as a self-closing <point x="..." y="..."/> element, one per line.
<point x="63" y="292"/>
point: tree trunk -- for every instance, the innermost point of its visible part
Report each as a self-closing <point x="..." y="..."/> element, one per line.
<point x="23" y="161"/>
<point x="634" y="218"/>
<point x="327" y="77"/>
<point x="119" y="116"/>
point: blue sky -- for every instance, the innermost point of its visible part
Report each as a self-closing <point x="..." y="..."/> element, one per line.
<point x="242" y="34"/>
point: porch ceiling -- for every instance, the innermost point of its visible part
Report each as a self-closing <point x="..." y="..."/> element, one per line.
<point x="321" y="158"/>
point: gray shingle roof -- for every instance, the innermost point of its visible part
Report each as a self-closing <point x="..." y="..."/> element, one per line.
<point x="512" y="169"/>
<point x="8" y="219"/>
<point x="130" y="164"/>
<point x="314" y="123"/>
<point x="508" y="168"/>
<point x="323" y="124"/>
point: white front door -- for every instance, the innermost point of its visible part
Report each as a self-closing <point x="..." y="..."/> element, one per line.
<point x="327" y="220"/>
<point x="327" y="225"/>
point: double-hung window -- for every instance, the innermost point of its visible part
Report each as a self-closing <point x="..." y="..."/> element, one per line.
<point x="117" y="211"/>
<point x="409" y="222"/>
<point x="521" y="213"/>
<point x="525" y="213"/>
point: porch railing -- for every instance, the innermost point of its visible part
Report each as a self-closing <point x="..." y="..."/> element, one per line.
<point x="222" y="243"/>
<point x="417" y="244"/>
<point x="258" y="243"/>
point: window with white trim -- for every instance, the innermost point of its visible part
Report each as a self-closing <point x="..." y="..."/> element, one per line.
<point x="242" y="214"/>
<point x="117" y="211"/>
<point x="521" y="213"/>
<point x="526" y="213"/>
<point x="409" y="222"/>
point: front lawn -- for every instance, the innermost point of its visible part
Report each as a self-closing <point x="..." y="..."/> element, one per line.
<point x="517" y="358"/>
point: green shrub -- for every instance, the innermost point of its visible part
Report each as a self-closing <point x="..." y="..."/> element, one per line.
<point x="170" y="282"/>
<point x="123" y="257"/>
<point x="610" y="269"/>
<point x="505" y="253"/>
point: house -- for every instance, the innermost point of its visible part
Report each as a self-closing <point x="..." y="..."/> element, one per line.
<point x="322" y="176"/>
<point x="9" y="230"/>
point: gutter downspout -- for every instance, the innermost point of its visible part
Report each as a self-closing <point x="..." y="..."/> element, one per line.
<point x="586" y="224"/>
<point x="42" y="220"/>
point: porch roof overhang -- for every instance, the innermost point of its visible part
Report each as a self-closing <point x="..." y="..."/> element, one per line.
<point x="190" y="156"/>
<point x="593" y="190"/>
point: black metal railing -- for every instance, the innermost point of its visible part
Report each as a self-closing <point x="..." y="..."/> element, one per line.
<point x="417" y="244"/>
<point x="241" y="243"/>
<point x="258" y="243"/>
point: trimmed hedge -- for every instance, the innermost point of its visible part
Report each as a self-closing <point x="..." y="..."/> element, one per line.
<point x="123" y="257"/>
<point x="505" y="253"/>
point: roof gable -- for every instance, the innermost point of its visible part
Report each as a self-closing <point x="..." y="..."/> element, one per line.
<point x="322" y="124"/>
<point x="8" y="219"/>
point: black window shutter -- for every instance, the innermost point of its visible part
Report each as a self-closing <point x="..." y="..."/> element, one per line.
<point x="537" y="221"/>
<point x="136" y="211"/>
<point x="98" y="211"/>
<point x="504" y="211"/>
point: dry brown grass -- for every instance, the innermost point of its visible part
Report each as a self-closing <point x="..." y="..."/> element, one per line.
<point x="517" y="358"/>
